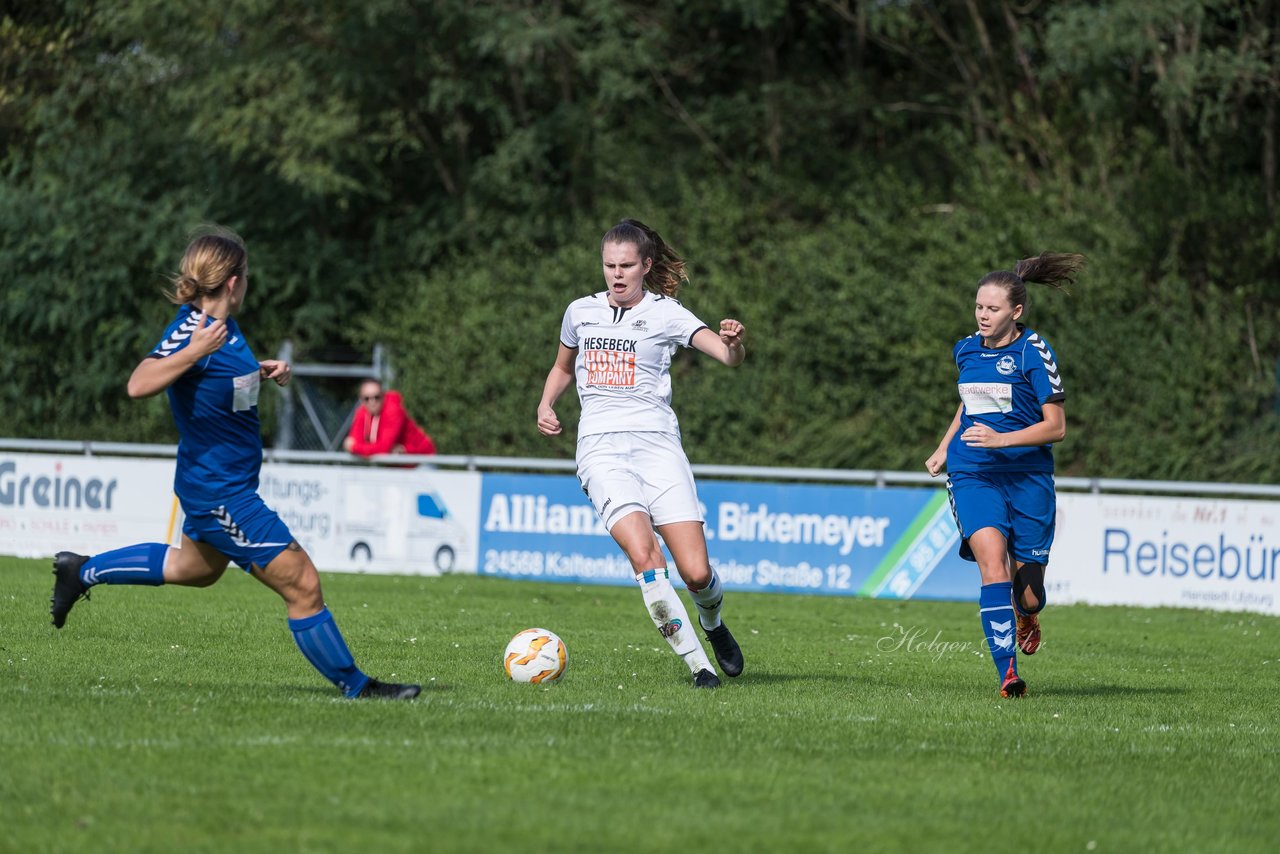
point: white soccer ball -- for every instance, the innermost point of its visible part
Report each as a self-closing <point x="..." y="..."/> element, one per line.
<point x="535" y="655"/>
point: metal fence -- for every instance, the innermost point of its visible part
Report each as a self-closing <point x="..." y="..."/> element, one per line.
<point x="468" y="462"/>
<point x="315" y="411"/>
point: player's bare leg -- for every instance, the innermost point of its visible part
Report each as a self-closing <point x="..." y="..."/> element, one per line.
<point x="295" y="578"/>
<point x="194" y="564"/>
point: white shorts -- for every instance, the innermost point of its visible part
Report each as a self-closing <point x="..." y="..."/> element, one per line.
<point x="625" y="472"/>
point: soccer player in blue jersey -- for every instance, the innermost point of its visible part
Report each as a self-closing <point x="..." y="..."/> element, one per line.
<point x="999" y="460"/>
<point x="212" y="379"/>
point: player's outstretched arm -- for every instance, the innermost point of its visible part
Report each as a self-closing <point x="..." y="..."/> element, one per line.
<point x="727" y="347"/>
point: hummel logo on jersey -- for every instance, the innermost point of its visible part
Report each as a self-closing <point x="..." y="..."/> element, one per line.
<point x="179" y="336"/>
<point x="231" y="528"/>
<point x="1050" y="366"/>
<point x="1002" y="641"/>
<point x="234" y="531"/>
<point x="1007" y="365"/>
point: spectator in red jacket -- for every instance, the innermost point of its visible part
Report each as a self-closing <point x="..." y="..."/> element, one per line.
<point x="382" y="426"/>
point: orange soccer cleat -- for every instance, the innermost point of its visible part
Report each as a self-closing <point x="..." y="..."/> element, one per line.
<point x="1028" y="633"/>
<point x="1012" y="686"/>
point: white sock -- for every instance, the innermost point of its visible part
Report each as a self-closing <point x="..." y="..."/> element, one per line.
<point x="707" y="601"/>
<point x="672" y="620"/>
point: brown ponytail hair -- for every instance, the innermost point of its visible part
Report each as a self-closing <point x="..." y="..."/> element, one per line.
<point x="210" y="260"/>
<point x="667" y="273"/>
<point x="1047" y="268"/>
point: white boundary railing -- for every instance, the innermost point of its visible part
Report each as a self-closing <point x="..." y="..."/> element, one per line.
<point x="477" y="462"/>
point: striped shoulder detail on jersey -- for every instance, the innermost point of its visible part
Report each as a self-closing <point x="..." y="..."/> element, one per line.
<point x="1050" y="366"/>
<point x="176" y="338"/>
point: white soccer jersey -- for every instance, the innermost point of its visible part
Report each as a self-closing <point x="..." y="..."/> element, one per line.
<point x="624" y="361"/>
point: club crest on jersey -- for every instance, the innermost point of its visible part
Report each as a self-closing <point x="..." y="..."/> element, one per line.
<point x="639" y="324"/>
<point x="1007" y="365"/>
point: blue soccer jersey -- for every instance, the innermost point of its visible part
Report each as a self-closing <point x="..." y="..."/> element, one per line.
<point x="215" y="407"/>
<point x="1004" y="388"/>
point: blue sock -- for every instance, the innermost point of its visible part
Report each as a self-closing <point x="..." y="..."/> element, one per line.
<point x="995" y="610"/>
<point x="139" y="564"/>
<point x="321" y="642"/>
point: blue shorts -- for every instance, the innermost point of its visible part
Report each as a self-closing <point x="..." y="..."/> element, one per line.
<point x="244" y="529"/>
<point x="1020" y="505"/>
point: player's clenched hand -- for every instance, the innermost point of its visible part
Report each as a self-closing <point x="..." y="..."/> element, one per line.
<point x="935" y="463"/>
<point x="732" y="332"/>
<point x="274" y="369"/>
<point x="207" y="339"/>
<point x="548" y="423"/>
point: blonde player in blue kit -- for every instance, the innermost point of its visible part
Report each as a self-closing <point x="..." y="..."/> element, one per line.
<point x="617" y="346"/>
<point x="212" y="379"/>
<point x="999" y="459"/>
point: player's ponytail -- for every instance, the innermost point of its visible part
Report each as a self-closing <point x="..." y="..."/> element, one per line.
<point x="667" y="273"/>
<point x="1055" y="269"/>
<point x="1050" y="268"/>
<point x="210" y="260"/>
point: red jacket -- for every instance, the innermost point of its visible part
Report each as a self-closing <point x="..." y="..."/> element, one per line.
<point x="381" y="434"/>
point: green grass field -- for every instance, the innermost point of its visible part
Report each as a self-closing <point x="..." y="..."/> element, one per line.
<point x="176" y="719"/>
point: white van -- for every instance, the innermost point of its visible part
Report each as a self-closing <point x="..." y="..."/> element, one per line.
<point x="391" y="527"/>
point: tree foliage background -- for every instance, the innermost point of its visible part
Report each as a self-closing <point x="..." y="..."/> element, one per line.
<point x="839" y="173"/>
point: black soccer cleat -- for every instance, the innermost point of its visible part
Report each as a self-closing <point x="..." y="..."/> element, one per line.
<point x="728" y="653"/>
<point x="706" y="679"/>
<point x="388" y="691"/>
<point x="67" y="586"/>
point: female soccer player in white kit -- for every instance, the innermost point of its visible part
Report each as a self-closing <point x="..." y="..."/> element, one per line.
<point x="617" y="344"/>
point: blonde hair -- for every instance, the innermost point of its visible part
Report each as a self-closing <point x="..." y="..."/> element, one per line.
<point x="667" y="273"/>
<point x="210" y="260"/>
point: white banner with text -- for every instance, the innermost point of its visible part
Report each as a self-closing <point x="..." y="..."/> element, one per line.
<point x="1183" y="552"/>
<point x="1109" y="549"/>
